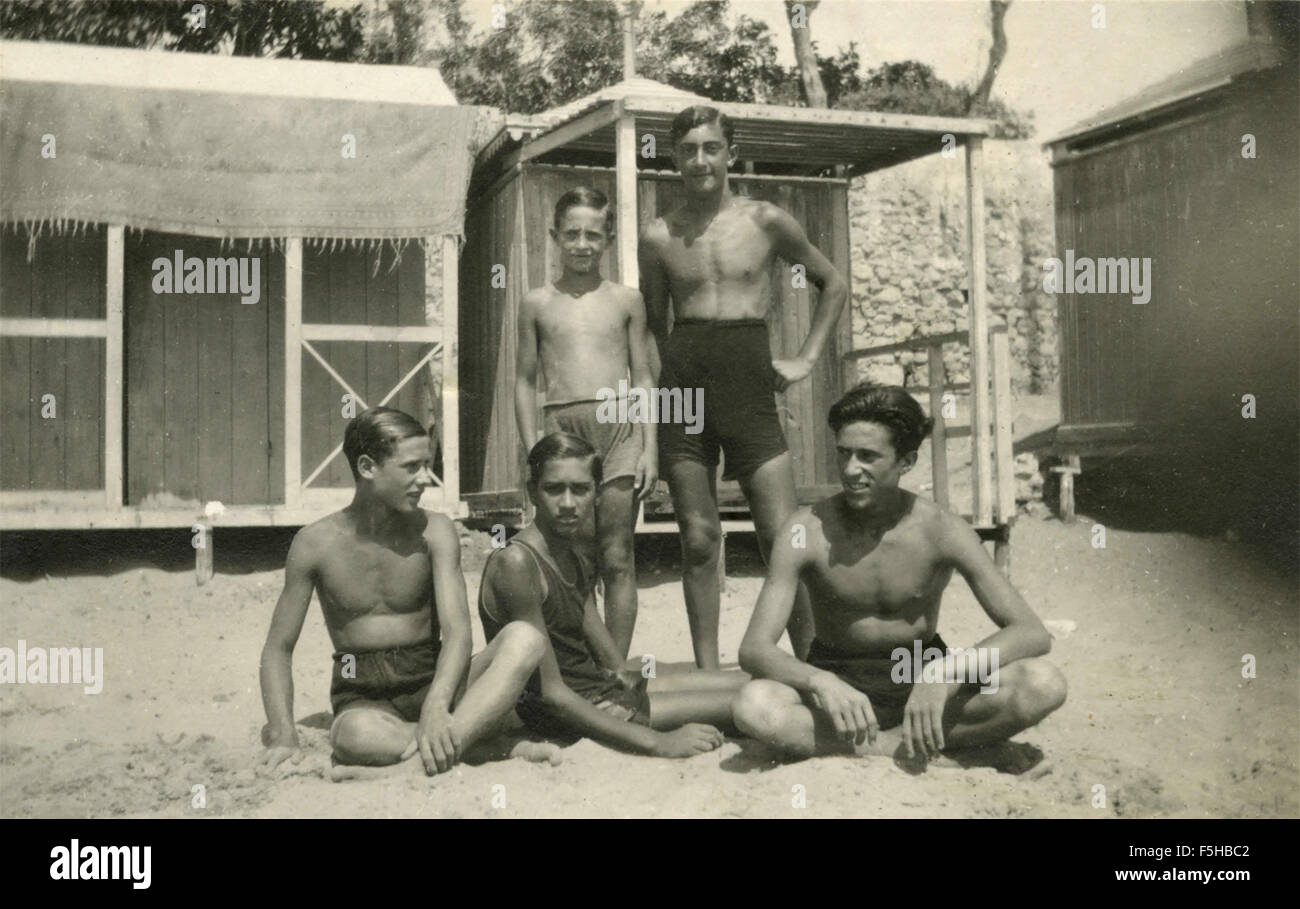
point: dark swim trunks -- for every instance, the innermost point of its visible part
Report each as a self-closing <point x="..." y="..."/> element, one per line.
<point x="871" y="676"/>
<point x="732" y="362"/>
<point x="399" y="676"/>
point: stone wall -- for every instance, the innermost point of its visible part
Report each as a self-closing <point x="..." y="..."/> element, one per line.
<point x="909" y="262"/>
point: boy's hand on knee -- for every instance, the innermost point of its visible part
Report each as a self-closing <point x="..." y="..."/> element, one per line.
<point x="437" y="741"/>
<point x="849" y="709"/>
<point x="923" y="718"/>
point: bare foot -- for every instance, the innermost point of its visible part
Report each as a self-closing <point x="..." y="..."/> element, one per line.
<point x="538" y="752"/>
<point x="887" y="744"/>
<point x="340" y="772"/>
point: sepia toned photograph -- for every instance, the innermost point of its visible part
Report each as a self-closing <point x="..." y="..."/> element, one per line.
<point x="650" y="409"/>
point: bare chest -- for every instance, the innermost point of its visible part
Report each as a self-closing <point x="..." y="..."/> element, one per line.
<point x="729" y="250"/>
<point x="368" y="579"/>
<point x="891" y="580"/>
<point x="580" y="324"/>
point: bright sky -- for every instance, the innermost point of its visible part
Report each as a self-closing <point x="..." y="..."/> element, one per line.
<point x="1057" y="65"/>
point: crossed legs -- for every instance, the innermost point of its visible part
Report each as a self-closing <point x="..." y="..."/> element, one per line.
<point x="1028" y="690"/>
<point x="373" y="732"/>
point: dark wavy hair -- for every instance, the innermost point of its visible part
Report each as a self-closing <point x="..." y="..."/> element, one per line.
<point x="888" y="405"/>
<point x="375" y="432"/>
<point x="559" y="445"/>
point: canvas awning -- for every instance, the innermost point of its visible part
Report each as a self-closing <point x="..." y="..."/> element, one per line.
<point x="231" y="147"/>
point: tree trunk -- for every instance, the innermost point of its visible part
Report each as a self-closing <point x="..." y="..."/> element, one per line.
<point x="407" y="20"/>
<point x="813" y="89"/>
<point x="998" y="9"/>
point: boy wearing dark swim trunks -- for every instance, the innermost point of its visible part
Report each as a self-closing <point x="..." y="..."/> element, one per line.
<point x="582" y="687"/>
<point x="387" y="574"/>
<point x="589" y="334"/>
<point x="876" y="560"/>
<point x="713" y="257"/>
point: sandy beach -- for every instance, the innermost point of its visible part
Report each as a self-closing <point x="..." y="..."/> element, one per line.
<point x="1158" y="711"/>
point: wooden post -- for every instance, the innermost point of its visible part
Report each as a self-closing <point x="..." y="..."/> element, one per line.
<point x="625" y="180"/>
<point x="722" y="563"/>
<point x="1002" y="552"/>
<point x="450" y="375"/>
<point x="981" y="459"/>
<point x="1002" y="442"/>
<point x="203" y="555"/>
<point x="629" y="41"/>
<point x="293" y="372"/>
<point x="113" y="367"/>
<point x="939" y="436"/>
<point x="1067" y="473"/>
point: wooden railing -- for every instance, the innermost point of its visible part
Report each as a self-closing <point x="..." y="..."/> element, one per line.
<point x="1002" y="456"/>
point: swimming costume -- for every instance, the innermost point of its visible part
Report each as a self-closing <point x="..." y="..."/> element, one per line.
<point x="401" y="676"/>
<point x="618" y="444"/>
<point x="871" y="676"/>
<point x="732" y="361"/>
<point x="562" y="611"/>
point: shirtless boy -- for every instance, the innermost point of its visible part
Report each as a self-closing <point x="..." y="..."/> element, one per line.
<point x="876" y="560"/>
<point x="590" y="333"/>
<point x="388" y="577"/>
<point x="713" y="257"/>
<point x="582" y="688"/>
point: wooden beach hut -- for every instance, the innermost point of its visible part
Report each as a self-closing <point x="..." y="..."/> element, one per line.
<point x="1200" y="175"/>
<point x="618" y="140"/>
<point x="124" y="405"/>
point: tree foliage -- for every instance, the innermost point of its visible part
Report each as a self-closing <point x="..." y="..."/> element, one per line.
<point x="547" y="52"/>
<point x="248" y="28"/>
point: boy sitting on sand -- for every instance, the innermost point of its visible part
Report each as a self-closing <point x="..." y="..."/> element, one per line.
<point x="391" y="590"/>
<point x="590" y="333"/>
<point x="876" y="559"/>
<point x="581" y="688"/>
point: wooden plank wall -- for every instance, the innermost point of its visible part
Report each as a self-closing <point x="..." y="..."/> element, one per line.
<point x="498" y="231"/>
<point x="65" y="279"/>
<point x="1221" y="231"/>
<point x="204" y="373"/>
<point x="204" y="408"/>
<point x="357" y="286"/>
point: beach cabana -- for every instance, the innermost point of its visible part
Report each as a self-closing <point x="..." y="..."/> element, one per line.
<point x="799" y="158"/>
<point x="1198" y="174"/>
<point x="130" y="400"/>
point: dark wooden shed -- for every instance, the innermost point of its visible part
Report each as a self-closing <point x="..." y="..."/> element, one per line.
<point x="800" y="159"/>
<point x="1200" y="174"/>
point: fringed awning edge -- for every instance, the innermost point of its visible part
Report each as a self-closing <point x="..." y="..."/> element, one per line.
<point x="71" y="226"/>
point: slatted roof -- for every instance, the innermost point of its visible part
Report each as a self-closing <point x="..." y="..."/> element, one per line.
<point x="787" y="139"/>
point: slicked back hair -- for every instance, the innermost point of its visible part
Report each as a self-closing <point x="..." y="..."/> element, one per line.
<point x="560" y="445"/>
<point x="376" y="431"/>
<point x="585" y="197"/>
<point x="701" y="115"/>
